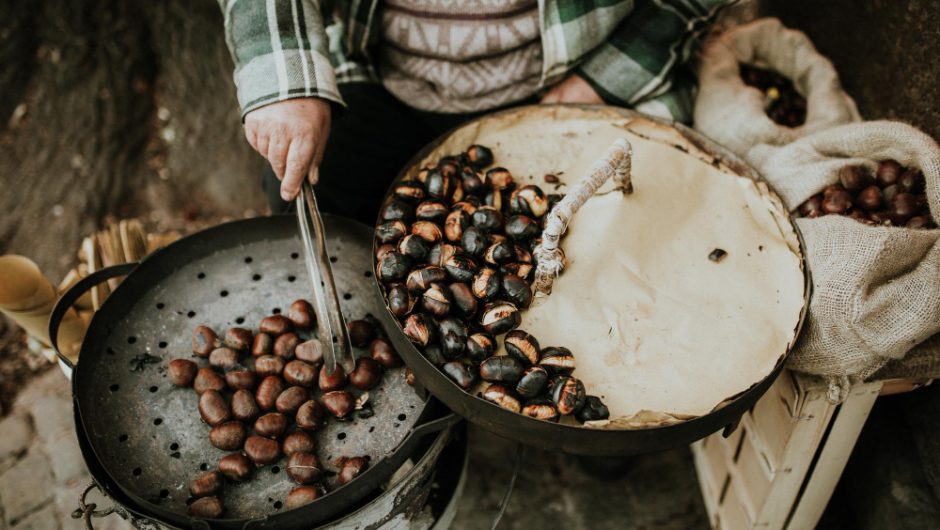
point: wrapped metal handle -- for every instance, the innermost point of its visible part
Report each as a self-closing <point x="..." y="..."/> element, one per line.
<point x="332" y="334"/>
<point x="617" y="164"/>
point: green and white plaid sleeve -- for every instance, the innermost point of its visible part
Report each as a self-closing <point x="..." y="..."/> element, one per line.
<point x="639" y="61"/>
<point x="280" y="51"/>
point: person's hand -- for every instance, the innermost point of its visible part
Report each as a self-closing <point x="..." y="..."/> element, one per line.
<point x="574" y="89"/>
<point x="292" y="135"/>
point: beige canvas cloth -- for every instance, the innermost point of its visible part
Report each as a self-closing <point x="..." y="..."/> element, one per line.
<point x="732" y="113"/>
<point x="876" y="290"/>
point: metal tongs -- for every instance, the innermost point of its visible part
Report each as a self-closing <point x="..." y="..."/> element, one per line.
<point x="332" y="334"/>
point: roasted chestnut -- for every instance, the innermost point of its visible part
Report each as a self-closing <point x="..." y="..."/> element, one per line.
<point x="392" y="267"/>
<point x="838" y="201"/>
<point x="262" y="451"/>
<point x="399" y="300"/>
<point x="238" y="339"/>
<point x="523" y="255"/>
<point x="301" y="314"/>
<point x="533" y="381"/>
<point x="397" y="209"/>
<point x="209" y="483"/>
<point x="521" y="228"/>
<point x="208" y="379"/>
<point x="457" y="221"/>
<point x="480" y="346"/>
<point x="333" y="381"/>
<point x="339" y="403"/>
<point x="419" y="329"/>
<point x="522" y="270"/>
<point x="383" y="353"/>
<point x="436" y="300"/>
<point x="464" y="302"/>
<point x="469" y="205"/>
<point x="499" y="252"/>
<point x="474" y="241"/>
<point x="271" y="425"/>
<point x="428" y="231"/>
<point x="488" y="219"/>
<point x="269" y="365"/>
<point x="366" y="375"/>
<point x="290" y="400"/>
<point x="285" y="345"/>
<point x="223" y="358"/>
<point x="593" y="410"/>
<point x="459" y="373"/>
<point x="516" y="290"/>
<point x="262" y="345"/>
<point x="854" y="178"/>
<point x="206" y="508"/>
<point x="298" y="442"/>
<point x="244" y="406"/>
<point x="228" y="436"/>
<point x="182" y="372"/>
<point x="485" y="284"/>
<point x="870" y="198"/>
<point x="557" y="360"/>
<point x="499" y="178"/>
<point x="350" y="468"/>
<point x="902" y="207"/>
<point x="440" y="184"/>
<point x="432" y="211"/>
<point x="213" y="409"/>
<point x="419" y="280"/>
<point x="501" y="396"/>
<point x="500" y="317"/>
<point x="453" y="333"/>
<point x="409" y="192"/>
<point x="460" y="267"/>
<point x="440" y="253"/>
<point x="494" y="198"/>
<point x="310" y="351"/>
<point x="434" y="354"/>
<point x="310" y="415"/>
<point x="541" y="409"/>
<point x="275" y="325"/>
<point x="204" y="341"/>
<point x="501" y="369"/>
<point x="522" y="346"/>
<point x="568" y="395"/>
<point x="268" y="391"/>
<point x="471" y="181"/>
<point x="528" y="200"/>
<point x="888" y="173"/>
<point x="361" y="332"/>
<point x="479" y="156"/>
<point x="304" y="468"/>
<point x="384" y="250"/>
<point x="301" y="496"/>
<point x="240" y="379"/>
<point x="235" y="467"/>
<point x="414" y="247"/>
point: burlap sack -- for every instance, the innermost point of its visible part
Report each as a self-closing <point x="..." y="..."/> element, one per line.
<point x="732" y="113"/>
<point x="876" y="290"/>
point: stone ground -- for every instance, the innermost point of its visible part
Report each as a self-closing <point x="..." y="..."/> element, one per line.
<point x="42" y="475"/>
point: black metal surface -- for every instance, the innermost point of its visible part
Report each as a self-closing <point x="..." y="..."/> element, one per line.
<point x="147" y="435"/>
<point x="573" y="439"/>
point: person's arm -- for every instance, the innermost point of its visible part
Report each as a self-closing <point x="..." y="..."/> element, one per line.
<point x="638" y="61"/>
<point x="285" y="82"/>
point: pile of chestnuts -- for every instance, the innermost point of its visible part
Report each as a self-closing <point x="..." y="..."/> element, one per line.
<point x="782" y="103"/>
<point x="265" y="394"/>
<point x="893" y="196"/>
<point x="454" y="250"/>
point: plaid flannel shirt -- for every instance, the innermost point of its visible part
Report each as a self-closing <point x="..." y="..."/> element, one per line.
<point x="630" y="51"/>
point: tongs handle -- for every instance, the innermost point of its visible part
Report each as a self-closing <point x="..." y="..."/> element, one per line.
<point x="332" y="332"/>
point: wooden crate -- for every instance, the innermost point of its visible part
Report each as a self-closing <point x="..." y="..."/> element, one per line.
<point x="778" y="469"/>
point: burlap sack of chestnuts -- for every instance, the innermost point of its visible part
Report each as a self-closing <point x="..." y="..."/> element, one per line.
<point x="733" y="114"/>
<point x="876" y="289"/>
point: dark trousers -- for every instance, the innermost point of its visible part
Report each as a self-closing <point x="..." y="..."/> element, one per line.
<point x="369" y="144"/>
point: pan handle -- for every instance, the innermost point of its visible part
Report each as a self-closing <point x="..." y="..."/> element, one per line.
<point x="437" y="425"/>
<point x="86" y="511"/>
<point x="70" y="296"/>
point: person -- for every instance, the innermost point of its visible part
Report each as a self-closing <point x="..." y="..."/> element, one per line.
<point x="345" y="93"/>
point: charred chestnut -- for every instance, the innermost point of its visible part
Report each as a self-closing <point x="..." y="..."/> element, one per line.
<point x="480" y="346"/>
<point x="262" y="345"/>
<point x="499" y="252"/>
<point x="427" y="231"/>
<point x="213" y="409"/>
<point x="516" y="290"/>
<point x="391" y="231"/>
<point x="440" y="182"/>
<point x="520" y="228"/>
<point x="366" y="375"/>
<point x="333" y="381"/>
<point x="399" y="300"/>
<point x="383" y="353"/>
<point x="500" y="395"/>
<point x="209" y="483"/>
<point x="593" y="410"/>
<point x="244" y="406"/>
<point x="493" y="197"/>
<point x="275" y="325"/>
<point x="339" y="403"/>
<point x="419" y="280"/>
<point x="361" y="332"/>
<point x="533" y="381"/>
<point x="397" y="209"/>
<point x="522" y="270"/>
<point x="409" y="192"/>
<point x="459" y="373"/>
<point x="457" y="221"/>
<point x="310" y="351"/>
<point x="541" y="409"/>
<point x="182" y="372"/>
<point x="474" y="241"/>
<point x="453" y="333"/>
<point x="304" y="468"/>
<point x="464" y="302"/>
<point x="479" y="156"/>
<point x="432" y="211"/>
<point x="501" y="369"/>
<point x="301" y="496"/>
<point x="238" y="339"/>
<point x="557" y="360"/>
<point x="469" y="205"/>
<point x="460" y="267"/>
<point x="568" y="395"/>
<point x="235" y="467"/>
<point x="271" y="425"/>
<point x="528" y="200"/>
<point x="393" y="267"/>
<point x="500" y="317"/>
<point x="204" y="341"/>
<point x="471" y="181"/>
<point x="440" y="253"/>
<point x="228" y="436"/>
<point x="419" y="329"/>
<point x="522" y="346"/>
<point x="486" y="284"/>
<point x="310" y="415"/>
<point x="436" y="300"/>
<point x="384" y="250"/>
<point x="434" y="354"/>
<point x="298" y="442"/>
<point x="414" y="247"/>
<point x="290" y="400"/>
<point x="262" y="451"/>
<point x="488" y="219"/>
<point x="523" y="255"/>
<point x="269" y="365"/>
<point x="499" y="178"/>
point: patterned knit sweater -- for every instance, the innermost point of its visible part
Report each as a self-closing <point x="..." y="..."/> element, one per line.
<point x="460" y="55"/>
